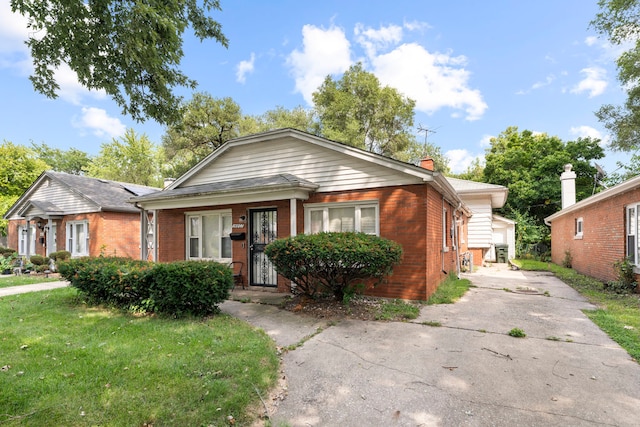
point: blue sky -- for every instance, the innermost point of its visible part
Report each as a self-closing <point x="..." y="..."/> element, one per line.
<point x="473" y="67"/>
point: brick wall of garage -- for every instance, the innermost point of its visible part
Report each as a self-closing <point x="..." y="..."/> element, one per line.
<point x="603" y="241"/>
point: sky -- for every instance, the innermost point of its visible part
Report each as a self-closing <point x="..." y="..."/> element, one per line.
<point x="473" y="67"/>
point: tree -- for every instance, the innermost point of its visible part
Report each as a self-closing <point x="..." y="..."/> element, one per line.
<point x="133" y="159"/>
<point x="71" y="161"/>
<point x="618" y="20"/>
<point x="474" y="172"/>
<point x="19" y="168"/>
<point x="530" y="165"/>
<point x="128" y="48"/>
<point x="278" y="118"/>
<point x="356" y="110"/>
<point x="630" y="170"/>
<point x="206" y="123"/>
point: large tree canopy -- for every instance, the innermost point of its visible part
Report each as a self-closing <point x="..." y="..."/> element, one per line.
<point x="131" y="49"/>
<point x="206" y="123"/>
<point x="356" y="110"/>
<point x="618" y="20"/>
<point x="530" y="165"/>
<point x="132" y="159"/>
<point x="71" y="161"/>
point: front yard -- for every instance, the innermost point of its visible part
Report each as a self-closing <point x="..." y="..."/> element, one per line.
<point x="65" y="363"/>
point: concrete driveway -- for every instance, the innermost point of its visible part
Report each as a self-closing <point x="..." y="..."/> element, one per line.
<point x="468" y="371"/>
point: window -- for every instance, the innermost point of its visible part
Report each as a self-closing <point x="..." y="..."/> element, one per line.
<point x="78" y="238"/>
<point x="208" y="235"/>
<point x="444" y="230"/>
<point x="350" y="216"/>
<point x="578" y="228"/>
<point x="22" y="240"/>
<point x="633" y="245"/>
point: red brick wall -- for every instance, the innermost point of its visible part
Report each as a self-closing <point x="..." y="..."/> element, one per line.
<point x="410" y="215"/>
<point x="110" y="233"/>
<point x="603" y="241"/>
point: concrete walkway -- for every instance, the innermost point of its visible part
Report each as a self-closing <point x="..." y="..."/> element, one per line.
<point x="468" y="371"/>
<point x="13" y="290"/>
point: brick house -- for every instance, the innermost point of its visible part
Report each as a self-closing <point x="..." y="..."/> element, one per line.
<point x="485" y="229"/>
<point x="257" y="188"/>
<point x="85" y="216"/>
<point x="597" y="231"/>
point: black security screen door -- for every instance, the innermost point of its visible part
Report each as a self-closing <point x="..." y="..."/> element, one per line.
<point x="263" y="229"/>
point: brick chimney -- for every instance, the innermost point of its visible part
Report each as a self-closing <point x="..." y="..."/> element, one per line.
<point x="568" y="186"/>
<point x="427" y="163"/>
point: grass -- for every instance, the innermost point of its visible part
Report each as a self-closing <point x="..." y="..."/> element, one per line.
<point x="397" y="309"/>
<point x="7" y="281"/>
<point x="64" y="363"/>
<point x="516" y="333"/>
<point x="450" y="291"/>
<point x="618" y="315"/>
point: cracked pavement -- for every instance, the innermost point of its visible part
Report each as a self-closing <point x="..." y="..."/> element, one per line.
<point x="468" y="371"/>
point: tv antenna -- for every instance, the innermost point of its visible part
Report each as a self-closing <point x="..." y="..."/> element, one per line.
<point x="427" y="131"/>
<point x="598" y="177"/>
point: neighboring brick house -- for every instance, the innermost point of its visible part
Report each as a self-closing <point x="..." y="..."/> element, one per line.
<point x="597" y="231"/>
<point x="257" y="188"/>
<point x="486" y="230"/>
<point x="85" y="216"/>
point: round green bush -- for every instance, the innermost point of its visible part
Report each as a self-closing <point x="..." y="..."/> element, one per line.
<point x="333" y="262"/>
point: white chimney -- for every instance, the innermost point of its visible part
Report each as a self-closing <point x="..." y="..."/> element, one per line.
<point x="167" y="182"/>
<point x="568" y="186"/>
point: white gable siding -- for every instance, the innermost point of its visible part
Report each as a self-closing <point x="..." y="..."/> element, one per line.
<point x="63" y="198"/>
<point x="480" y="224"/>
<point x="325" y="167"/>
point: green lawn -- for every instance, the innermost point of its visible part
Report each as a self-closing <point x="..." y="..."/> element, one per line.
<point x="6" y="281"/>
<point x="64" y="363"/>
<point x="617" y="315"/>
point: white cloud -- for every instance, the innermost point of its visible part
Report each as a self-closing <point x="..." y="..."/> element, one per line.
<point x="594" y="83"/>
<point x="591" y="40"/>
<point x="374" y="40"/>
<point x="589" y="132"/>
<point x="70" y="88"/>
<point x="416" y="26"/>
<point x="98" y="122"/>
<point x="460" y="159"/>
<point x="14" y="54"/>
<point x="324" y="52"/>
<point x="433" y="80"/>
<point x="245" y="67"/>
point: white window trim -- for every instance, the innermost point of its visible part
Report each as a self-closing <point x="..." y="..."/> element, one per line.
<point x="633" y="260"/>
<point x="324" y="207"/>
<point x="200" y="214"/>
<point x="71" y="224"/>
<point x="22" y="240"/>
<point x="579" y="228"/>
<point x="445" y="230"/>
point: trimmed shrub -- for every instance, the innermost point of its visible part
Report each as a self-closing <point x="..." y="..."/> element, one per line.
<point x="60" y="255"/>
<point x="333" y="262"/>
<point x="36" y="260"/>
<point x="177" y="289"/>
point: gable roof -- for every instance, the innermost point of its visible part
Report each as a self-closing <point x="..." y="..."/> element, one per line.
<point x="623" y="187"/>
<point x="312" y="163"/>
<point x="96" y="194"/>
<point x="498" y="193"/>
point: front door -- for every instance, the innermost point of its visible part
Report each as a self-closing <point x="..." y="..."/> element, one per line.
<point x="263" y="229"/>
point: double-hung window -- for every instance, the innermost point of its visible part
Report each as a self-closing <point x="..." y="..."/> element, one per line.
<point x="347" y="216"/>
<point x="78" y="238"/>
<point x="633" y="243"/>
<point x="208" y="235"/>
<point x="22" y="240"/>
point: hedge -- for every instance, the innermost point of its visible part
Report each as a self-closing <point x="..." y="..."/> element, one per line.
<point x="176" y="289"/>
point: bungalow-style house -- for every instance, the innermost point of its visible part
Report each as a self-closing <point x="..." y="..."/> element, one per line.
<point x="597" y="231"/>
<point x="281" y="183"/>
<point x="85" y="216"/>
<point x="486" y="230"/>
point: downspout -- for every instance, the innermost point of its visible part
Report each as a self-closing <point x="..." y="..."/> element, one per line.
<point x="444" y="238"/>
<point x="456" y="237"/>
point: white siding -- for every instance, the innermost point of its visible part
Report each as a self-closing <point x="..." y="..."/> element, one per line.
<point x="331" y="170"/>
<point x="63" y="198"/>
<point x="480" y="224"/>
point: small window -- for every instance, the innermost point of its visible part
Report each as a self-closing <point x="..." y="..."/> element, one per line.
<point x="579" y="228"/>
<point x="358" y="216"/>
<point x="633" y="243"/>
